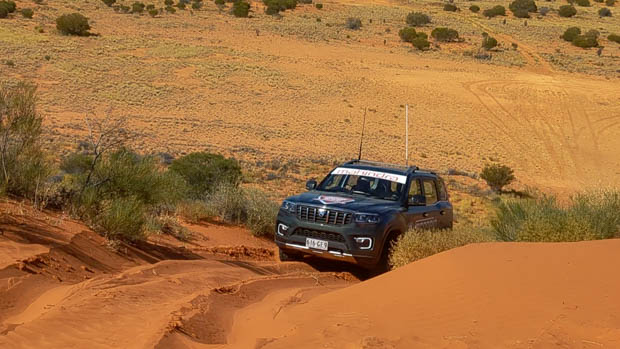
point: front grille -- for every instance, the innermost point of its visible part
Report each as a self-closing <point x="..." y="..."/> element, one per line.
<point x="333" y="217"/>
<point x="320" y="235"/>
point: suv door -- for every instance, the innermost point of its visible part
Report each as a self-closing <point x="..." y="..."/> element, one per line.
<point x="418" y="213"/>
<point x="445" y="207"/>
<point x="433" y="206"/>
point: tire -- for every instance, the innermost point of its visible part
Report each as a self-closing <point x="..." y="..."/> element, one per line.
<point x="288" y="256"/>
<point x="383" y="265"/>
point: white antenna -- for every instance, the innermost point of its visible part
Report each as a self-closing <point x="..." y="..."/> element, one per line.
<point x="407" y="134"/>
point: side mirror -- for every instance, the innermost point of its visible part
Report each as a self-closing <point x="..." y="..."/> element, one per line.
<point x="311" y="184"/>
<point x="417" y="200"/>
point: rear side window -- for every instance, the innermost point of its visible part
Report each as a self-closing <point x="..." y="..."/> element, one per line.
<point x="443" y="193"/>
<point x="430" y="191"/>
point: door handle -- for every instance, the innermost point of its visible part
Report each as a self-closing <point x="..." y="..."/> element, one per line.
<point x="425" y="214"/>
<point x="442" y="212"/>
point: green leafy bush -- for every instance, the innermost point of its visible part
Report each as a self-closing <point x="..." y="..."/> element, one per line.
<point x="421" y="42"/>
<point x="614" y="37"/>
<point x="109" y="3"/>
<point x="450" y="7"/>
<point x="9" y="6"/>
<point x="610" y="2"/>
<point x="604" y="12"/>
<point x="170" y="9"/>
<point x="588" y="216"/>
<point x="407" y="34"/>
<point x="418" y="244"/>
<point x="497" y="176"/>
<point x="583" y="3"/>
<point x="73" y="24"/>
<point x="445" y="34"/>
<point x="354" y="23"/>
<point x="417" y="19"/>
<point x="585" y="41"/>
<point x="4" y="11"/>
<point x="571" y="33"/>
<point x="137" y="7"/>
<point x="474" y="8"/>
<point x="121" y="218"/>
<point x="522" y="8"/>
<point x="241" y="8"/>
<point x="203" y="171"/>
<point x="319" y="6"/>
<point x="275" y="6"/>
<point x="153" y="12"/>
<point x="567" y="11"/>
<point x="27" y="13"/>
<point x="495" y="11"/>
<point x="488" y="42"/>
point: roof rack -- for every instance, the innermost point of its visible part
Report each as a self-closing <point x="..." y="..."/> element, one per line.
<point x="384" y="164"/>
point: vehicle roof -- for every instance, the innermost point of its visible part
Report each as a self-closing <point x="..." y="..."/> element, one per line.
<point x="387" y="167"/>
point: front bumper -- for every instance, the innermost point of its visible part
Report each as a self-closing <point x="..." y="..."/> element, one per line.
<point x="346" y="249"/>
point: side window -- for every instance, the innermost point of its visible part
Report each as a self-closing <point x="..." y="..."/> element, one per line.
<point x="430" y="191"/>
<point x="414" y="189"/>
<point x="333" y="182"/>
<point x="443" y="193"/>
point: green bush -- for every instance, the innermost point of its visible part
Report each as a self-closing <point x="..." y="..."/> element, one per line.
<point x="488" y="42"/>
<point x="150" y="7"/>
<point x="614" y="37"/>
<point x="417" y="244"/>
<point x="497" y="176"/>
<point x="121" y="218"/>
<point x="567" y="11"/>
<point x="28" y="13"/>
<point x="275" y="6"/>
<point x="588" y="216"/>
<point x="196" y="5"/>
<point x="474" y="8"/>
<point x="417" y="19"/>
<point x="241" y="9"/>
<point x="170" y="9"/>
<point x="181" y="5"/>
<point x="610" y="2"/>
<point x="319" y="6"/>
<point x="407" y="34"/>
<point x="445" y="34"/>
<point x="109" y="3"/>
<point x="522" y="8"/>
<point x="4" y="12"/>
<point x="495" y="11"/>
<point x="168" y="2"/>
<point x="571" y="33"/>
<point x="354" y="23"/>
<point x="9" y="6"/>
<point x="137" y="7"/>
<point x="260" y="212"/>
<point x="153" y="12"/>
<point x="24" y="166"/>
<point x="585" y="41"/>
<point x="593" y="33"/>
<point x="203" y="171"/>
<point x="73" y="24"/>
<point x="583" y="3"/>
<point x="194" y="211"/>
<point x="450" y="7"/>
<point x="125" y="8"/>
<point x="421" y="42"/>
<point x="604" y="12"/>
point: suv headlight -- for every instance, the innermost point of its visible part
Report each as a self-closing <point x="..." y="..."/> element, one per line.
<point x="288" y="206"/>
<point x="366" y="218"/>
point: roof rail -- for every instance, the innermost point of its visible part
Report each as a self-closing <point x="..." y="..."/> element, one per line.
<point x="383" y="164"/>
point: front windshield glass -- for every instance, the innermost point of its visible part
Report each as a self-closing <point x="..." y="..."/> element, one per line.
<point x="374" y="184"/>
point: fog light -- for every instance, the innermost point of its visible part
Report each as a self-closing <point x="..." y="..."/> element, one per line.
<point x="363" y="243"/>
<point x="282" y="229"/>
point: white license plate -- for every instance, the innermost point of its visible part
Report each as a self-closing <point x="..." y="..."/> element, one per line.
<point x="316" y="244"/>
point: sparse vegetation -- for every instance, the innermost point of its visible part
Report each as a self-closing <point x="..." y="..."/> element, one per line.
<point x="241" y="9"/>
<point x="445" y="34"/>
<point x="567" y="11"/>
<point x="27" y="13"/>
<point x="203" y="171"/>
<point x="583" y="3"/>
<point x="610" y="2"/>
<point x="450" y="7"/>
<point x="137" y="7"/>
<point x="495" y="11"/>
<point x="109" y="3"/>
<point x="497" y="176"/>
<point x="417" y="19"/>
<point x="153" y="12"/>
<point x="474" y="8"/>
<point x="488" y="42"/>
<point x="421" y="42"/>
<point x="73" y="24"/>
<point x="319" y="6"/>
<point x="276" y="6"/>
<point x="571" y="33"/>
<point x="353" y="23"/>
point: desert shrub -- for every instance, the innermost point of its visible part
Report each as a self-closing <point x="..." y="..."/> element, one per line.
<point x="109" y="3"/>
<point x="121" y="218"/>
<point x="203" y="171"/>
<point x="153" y="12"/>
<point x="28" y="13"/>
<point x="588" y="216"/>
<point x="585" y="41"/>
<point x="445" y="34"/>
<point x="604" y="12"/>
<point x="567" y="11"/>
<point x="488" y="42"/>
<point x="196" y="5"/>
<point x="24" y="166"/>
<point x="9" y="6"/>
<point x="417" y="19"/>
<point x="527" y="5"/>
<point x="305" y="1"/>
<point x="497" y="176"/>
<point x="73" y="24"/>
<point x="417" y="244"/>
<point x="194" y="211"/>
<point x="276" y="6"/>
<point x="614" y="37"/>
<point x="181" y="5"/>
<point x="170" y="9"/>
<point x="583" y="3"/>
<point x="137" y="7"/>
<point x="150" y="7"/>
<point x="520" y="13"/>
<point x="544" y="10"/>
<point x="319" y="6"/>
<point x="474" y="8"/>
<point x="354" y="23"/>
<point x="125" y="8"/>
<point x="421" y="42"/>
<point x="407" y="34"/>
<point x="168" y="2"/>
<point x="495" y="11"/>
<point x="450" y="7"/>
<point x="240" y="9"/>
<point x="4" y="12"/>
<point x="571" y="33"/>
<point x="593" y="33"/>
<point x="610" y="2"/>
<point x="260" y="212"/>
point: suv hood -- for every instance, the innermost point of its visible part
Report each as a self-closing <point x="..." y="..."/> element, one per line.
<point x="356" y="203"/>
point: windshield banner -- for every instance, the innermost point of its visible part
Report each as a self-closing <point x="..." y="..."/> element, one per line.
<point x="374" y="174"/>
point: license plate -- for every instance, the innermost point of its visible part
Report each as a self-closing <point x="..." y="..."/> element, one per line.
<point x="316" y="244"/>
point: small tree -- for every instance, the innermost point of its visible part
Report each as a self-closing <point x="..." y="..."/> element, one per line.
<point x="73" y="24"/>
<point x="567" y="11"/>
<point x="497" y="176"/>
<point x="417" y="19"/>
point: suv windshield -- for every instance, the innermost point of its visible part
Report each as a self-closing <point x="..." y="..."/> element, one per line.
<point x="374" y="184"/>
